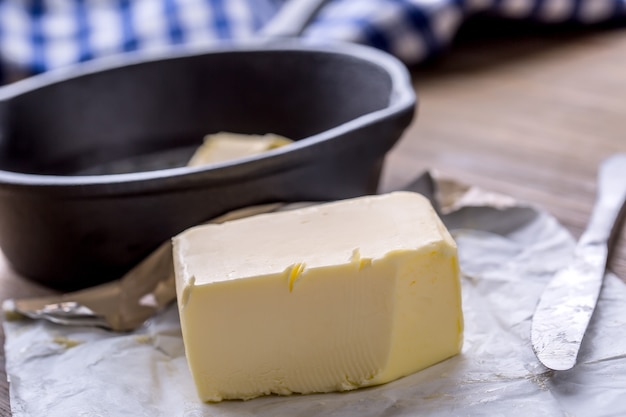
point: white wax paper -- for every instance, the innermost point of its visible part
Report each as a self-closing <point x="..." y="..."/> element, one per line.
<point x="507" y="256"/>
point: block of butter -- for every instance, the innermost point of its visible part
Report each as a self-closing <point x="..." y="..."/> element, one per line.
<point x="325" y="298"/>
<point x="226" y="146"/>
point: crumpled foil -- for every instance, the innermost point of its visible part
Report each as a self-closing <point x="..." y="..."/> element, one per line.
<point x="508" y="252"/>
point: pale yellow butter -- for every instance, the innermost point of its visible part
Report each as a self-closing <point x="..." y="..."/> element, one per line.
<point x="327" y="298"/>
<point x="227" y="146"/>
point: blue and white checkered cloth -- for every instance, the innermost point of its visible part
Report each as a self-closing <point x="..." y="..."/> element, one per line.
<point x="39" y="35"/>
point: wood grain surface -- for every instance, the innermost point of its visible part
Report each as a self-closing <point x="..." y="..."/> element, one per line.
<point x="511" y="108"/>
<point x="531" y="115"/>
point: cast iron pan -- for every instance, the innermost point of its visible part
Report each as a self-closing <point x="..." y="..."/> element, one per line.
<point x="92" y="174"/>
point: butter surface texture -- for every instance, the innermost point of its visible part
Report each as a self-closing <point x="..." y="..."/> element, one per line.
<point x="326" y="298"/>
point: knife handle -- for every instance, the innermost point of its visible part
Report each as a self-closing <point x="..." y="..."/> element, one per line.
<point x="610" y="198"/>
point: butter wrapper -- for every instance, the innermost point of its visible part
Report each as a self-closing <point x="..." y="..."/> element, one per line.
<point x="506" y="255"/>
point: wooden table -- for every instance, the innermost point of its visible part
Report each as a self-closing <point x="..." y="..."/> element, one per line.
<point x="530" y="115"/>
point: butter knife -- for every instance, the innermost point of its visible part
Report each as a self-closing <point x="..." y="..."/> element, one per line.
<point x="568" y="301"/>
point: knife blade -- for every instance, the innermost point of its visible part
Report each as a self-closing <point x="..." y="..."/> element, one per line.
<point x="567" y="303"/>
